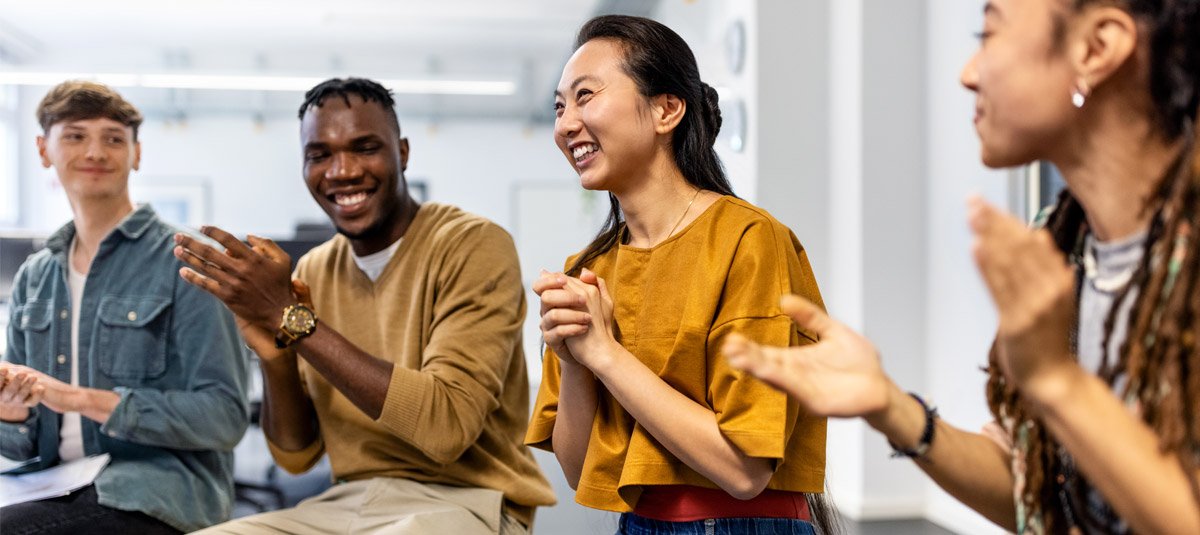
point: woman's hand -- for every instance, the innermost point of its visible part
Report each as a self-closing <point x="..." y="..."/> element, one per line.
<point x="1033" y="288"/>
<point x="593" y="347"/>
<point x="838" y="376"/>
<point x="563" y="313"/>
<point x="19" y="390"/>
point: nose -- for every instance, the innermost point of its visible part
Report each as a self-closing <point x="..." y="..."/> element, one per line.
<point x="568" y="124"/>
<point x="969" y="77"/>
<point x="343" y="167"/>
<point x="96" y="150"/>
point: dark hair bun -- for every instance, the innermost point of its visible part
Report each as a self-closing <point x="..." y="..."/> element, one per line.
<point x="710" y="110"/>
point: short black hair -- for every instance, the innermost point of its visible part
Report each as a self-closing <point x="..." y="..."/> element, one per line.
<point x="366" y="89"/>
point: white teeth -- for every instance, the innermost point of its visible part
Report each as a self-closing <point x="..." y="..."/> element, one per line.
<point x="584" y="150"/>
<point x="351" y="199"/>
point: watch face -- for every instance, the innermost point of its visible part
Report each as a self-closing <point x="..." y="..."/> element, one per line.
<point x="299" y="320"/>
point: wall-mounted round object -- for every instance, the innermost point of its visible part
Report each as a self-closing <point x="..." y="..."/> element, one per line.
<point x="735" y="46"/>
<point x="733" y="123"/>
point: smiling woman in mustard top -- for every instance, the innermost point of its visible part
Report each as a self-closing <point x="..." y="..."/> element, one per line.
<point x="636" y="402"/>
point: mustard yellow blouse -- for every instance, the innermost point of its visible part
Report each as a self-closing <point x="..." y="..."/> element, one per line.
<point x="673" y="306"/>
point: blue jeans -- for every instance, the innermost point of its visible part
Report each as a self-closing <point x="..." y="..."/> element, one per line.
<point x="632" y="524"/>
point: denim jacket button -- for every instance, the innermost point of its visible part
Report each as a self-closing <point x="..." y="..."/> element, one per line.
<point x="132" y="316"/>
<point x="23" y="430"/>
<point x="112" y="433"/>
<point x="62" y="314"/>
<point x="62" y="359"/>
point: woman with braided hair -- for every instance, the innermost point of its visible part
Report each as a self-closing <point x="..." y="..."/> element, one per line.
<point x="637" y="404"/>
<point x="1094" y="377"/>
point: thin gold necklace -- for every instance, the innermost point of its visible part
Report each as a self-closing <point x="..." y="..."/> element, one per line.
<point x="685" y="213"/>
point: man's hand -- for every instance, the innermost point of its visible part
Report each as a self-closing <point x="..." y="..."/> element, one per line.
<point x="26" y="387"/>
<point x="262" y="340"/>
<point x="253" y="281"/>
<point x="18" y="392"/>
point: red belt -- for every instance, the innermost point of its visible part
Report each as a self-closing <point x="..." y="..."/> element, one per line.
<point x="685" y="503"/>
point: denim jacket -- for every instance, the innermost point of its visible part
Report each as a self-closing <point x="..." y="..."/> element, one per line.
<point x="170" y="350"/>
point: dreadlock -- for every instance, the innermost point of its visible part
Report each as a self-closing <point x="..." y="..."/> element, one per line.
<point x="1158" y="358"/>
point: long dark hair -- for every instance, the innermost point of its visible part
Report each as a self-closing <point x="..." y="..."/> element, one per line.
<point x="1158" y="358"/>
<point x="661" y="63"/>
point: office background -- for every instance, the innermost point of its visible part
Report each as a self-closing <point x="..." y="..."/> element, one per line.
<point x="844" y="118"/>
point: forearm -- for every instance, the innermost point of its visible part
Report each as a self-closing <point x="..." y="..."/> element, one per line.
<point x="1117" y="453"/>
<point x="362" y="378"/>
<point x="573" y="423"/>
<point x="94" y="404"/>
<point x="686" y="428"/>
<point x="969" y="466"/>
<point x="288" y="418"/>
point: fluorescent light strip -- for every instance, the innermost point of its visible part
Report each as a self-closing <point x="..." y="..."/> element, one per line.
<point x="256" y="83"/>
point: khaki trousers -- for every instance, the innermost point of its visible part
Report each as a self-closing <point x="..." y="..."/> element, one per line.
<point x="385" y="506"/>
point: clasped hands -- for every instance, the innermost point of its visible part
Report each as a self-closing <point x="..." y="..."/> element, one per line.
<point x="22" y="387"/>
<point x="253" y="279"/>
<point x="577" y="318"/>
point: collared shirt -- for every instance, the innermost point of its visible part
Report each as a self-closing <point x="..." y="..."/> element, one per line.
<point x="170" y="350"/>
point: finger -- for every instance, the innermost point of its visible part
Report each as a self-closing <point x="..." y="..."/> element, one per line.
<point x="548" y="281"/>
<point x="552" y="299"/>
<point x="199" y="265"/>
<point x="269" y="249"/>
<point x="206" y="253"/>
<point x="563" y="332"/>
<point x="36" y="394"/>
<point x="302" y="292"/>
<point x="603" y="288"/>
<point x="588" y="276"/>
<point x="235" y="247"/>
<point x="204" y="283"/>
<point x="562" y="316"/>
<point x="807" y="315"/>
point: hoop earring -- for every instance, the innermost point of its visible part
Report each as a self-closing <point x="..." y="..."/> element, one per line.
<point x="1079" y="93"/>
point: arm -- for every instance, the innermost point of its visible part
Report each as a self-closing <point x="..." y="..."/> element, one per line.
<point x="840" y="376"/>
<point x="573" y="423"/>
<point x="1033" y="288"/>
<point x="1117" y="453"/>
<point x="463" y="365"/>
<point x="687" y="429"/>
<point x="16" y="396"/>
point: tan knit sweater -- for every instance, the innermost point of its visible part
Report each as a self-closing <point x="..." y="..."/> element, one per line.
<point x="447" y="310"/>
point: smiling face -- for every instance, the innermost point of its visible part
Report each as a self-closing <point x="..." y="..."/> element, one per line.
<point x="92" y="157"/>
<point x="603" y="123"/>
<point x="354" y="160"/>
<point x="1022" y="80"/>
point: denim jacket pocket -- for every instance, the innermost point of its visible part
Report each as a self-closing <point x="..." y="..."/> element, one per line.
<point x="133" y="336"/>
<point x="33" y="320"/>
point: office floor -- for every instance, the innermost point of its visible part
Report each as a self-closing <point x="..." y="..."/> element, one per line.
<point x="895" y="527"/>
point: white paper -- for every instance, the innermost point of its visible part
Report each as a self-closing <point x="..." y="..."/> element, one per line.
<point x="51" y="482"/>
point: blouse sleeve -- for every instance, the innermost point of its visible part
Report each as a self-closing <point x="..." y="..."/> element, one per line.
<point x="769" y="263"/>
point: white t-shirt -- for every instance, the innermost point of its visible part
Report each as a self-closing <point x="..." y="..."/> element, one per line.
<point x="70" y="443"/>
<point x="372" y="265"/>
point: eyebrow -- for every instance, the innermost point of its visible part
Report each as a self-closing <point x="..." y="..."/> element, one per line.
<point x="991" y="9"/>
<point x="580" y="80"/>
<point x="107" y="129"/>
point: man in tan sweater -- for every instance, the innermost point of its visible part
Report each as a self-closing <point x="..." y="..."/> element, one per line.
<point x="413" y="379"/>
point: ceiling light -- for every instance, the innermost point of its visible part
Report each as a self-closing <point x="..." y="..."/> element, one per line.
<point x="233" y="82"/>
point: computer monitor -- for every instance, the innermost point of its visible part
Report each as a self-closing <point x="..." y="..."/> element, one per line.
<point x="13" y="252"/>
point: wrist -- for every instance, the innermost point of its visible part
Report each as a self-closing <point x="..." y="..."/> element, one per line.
<point x="602" y="360"/>
<point x="901" y="419"/>
<point x="1053" y="385"/>
<point x="14" y="414"/>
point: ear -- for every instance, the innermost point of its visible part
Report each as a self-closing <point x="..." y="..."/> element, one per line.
<point x="668" y="111"/>
<point x="41" y="145"/>
<point x="1105" y="38"/>
<point x="403" y="154"/>
<point x="137" y="155"/>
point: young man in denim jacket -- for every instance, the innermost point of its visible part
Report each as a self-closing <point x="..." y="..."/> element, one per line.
<point x="109" y="352"/>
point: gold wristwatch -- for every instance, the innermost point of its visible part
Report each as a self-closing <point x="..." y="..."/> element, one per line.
<point x="298" y="321"/>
